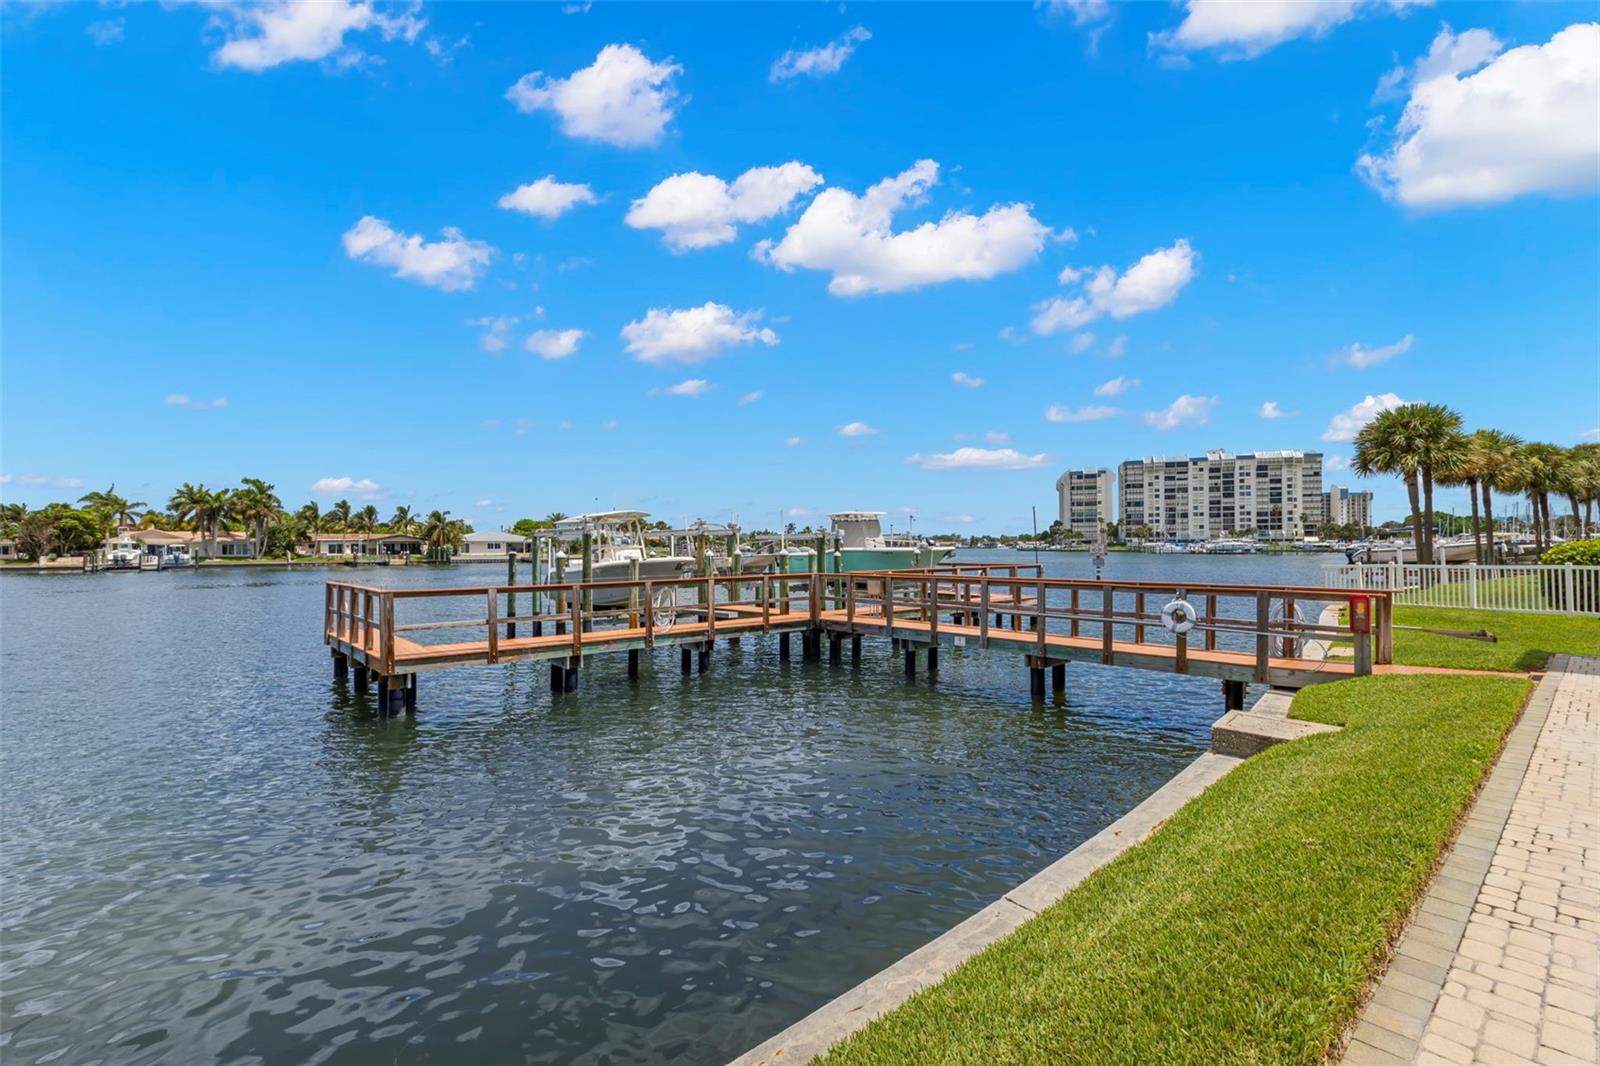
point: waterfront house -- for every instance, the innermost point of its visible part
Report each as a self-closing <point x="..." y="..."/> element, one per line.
<point x="353" y="544"/>
<point x="490" y="545"/>
<point x="8" y="549"/>
<point x="227" y="544"/>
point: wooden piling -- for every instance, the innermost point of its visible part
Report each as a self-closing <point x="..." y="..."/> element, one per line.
<point x="1058" y="677"/>
<point x="933" y="659"/>
<point x="911" y="660"/>
<point x="511" y="597"/>
<point x="686" y="661"/>
<point x="588" y="576"/>
<point x="633" y="664"/>
<point x="855" y="650"/>
<point x="1232" y="695"/>
<point x="835" y="648"/>
<point x="783" y="647"/>
<point x="341" y="666"/>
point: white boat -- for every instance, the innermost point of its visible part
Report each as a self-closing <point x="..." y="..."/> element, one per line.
<point x="1171" y="547"/>
<point x="864" y="546"/>
<point x="1445" y="550"/>
<point x="175" y="557"/>
<point x="1227" y="546"/>
<point x="617" y="546"/>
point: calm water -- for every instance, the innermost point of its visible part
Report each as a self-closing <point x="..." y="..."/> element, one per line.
<point x="212" y="851"/>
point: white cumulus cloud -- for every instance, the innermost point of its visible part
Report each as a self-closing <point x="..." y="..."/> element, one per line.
<point x="1361" y="357"/>
<point x="547" y="198"/>
<point x="454" y="262"/>
<point x="181" y="399"/>
<point x="1527" y="122"/>
<point x="496" y="331"/>
<point x="1151" y="283"/>
<point x="554" y="343"/>
<point x="750" y="397"/>
<point x="695" y="210"/>
<point x="1116" y="386"/>
<point x="853" y="237"/>
<point x="961" y="377"/>
<point x="266" y="33"/>
<point x="1092" y="413"/>
<point x="1242" y="29"/>
<point x="1186" y="410"/>
<point x="362" y="488"/>
<point x="623" y="98"/>
<point x="1271" y="410"/>
<point x="818" y="62"/>
<point x="857" y="429"/>
<point x="692" y="334"/>
<point x="692" y="388"/>
<point x="979" y="459"/>
<point x="1346" y="424"/>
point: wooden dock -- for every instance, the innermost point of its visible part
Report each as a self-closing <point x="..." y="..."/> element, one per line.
<point x="1235" y="633"/>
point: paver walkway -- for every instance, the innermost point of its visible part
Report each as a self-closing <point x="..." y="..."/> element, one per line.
<point x="1502" y="964"/>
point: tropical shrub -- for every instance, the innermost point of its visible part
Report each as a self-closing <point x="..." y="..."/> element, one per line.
<point x="1577" y="552"/>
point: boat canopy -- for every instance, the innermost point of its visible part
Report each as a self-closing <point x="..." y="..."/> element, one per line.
<point x="601" y="518"/>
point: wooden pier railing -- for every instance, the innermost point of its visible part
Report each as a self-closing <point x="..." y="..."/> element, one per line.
<point x="1239" y="633"/>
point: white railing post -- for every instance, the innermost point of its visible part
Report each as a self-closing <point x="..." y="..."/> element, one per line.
<point x="1566" y="580"/>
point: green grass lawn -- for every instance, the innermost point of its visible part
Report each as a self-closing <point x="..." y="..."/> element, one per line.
<point x="1246" y="928"/>
<point x="1524" y="641"/>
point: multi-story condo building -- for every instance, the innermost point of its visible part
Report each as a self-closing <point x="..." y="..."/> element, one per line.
<point x="1085" y="501"/>
<point x="1346" y="508"/>
<point x="1277" y="494"/>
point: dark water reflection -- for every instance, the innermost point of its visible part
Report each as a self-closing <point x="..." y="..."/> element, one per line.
<point x="214" y="852"/>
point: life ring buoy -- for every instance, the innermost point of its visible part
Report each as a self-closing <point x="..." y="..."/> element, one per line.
<point x="1178" y="616"/>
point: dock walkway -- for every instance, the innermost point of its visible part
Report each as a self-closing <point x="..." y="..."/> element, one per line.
<point x="1235" y="633"/>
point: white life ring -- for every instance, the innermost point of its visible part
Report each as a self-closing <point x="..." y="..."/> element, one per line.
<point x="1178" y="616"/>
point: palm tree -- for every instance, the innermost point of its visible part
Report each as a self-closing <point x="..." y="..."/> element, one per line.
<point x="1467" y="472"/>
<point x="310" y="516"/>
<point x="553" y="517"/>
<point x="1577" y="481"/>
<point x="1495" y="456"/>
<point x="1538" y="473"/>
<point x="338" y="517"/>
<point x="1387" y="445"/>
<point x="1440" y="446"/>
<point x="210" y="512"/>
<point x="185" y="501"/>
<point x="365" y="520"/>
<point x="441" y="533"/>
<point x="116" y="508"/>
<point x="257" y="504"/>
<point x="402" y="521"/>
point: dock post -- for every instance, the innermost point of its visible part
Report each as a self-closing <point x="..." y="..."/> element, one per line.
<point x="705" y="657"/>
<point x="570" y="675"/>
<point x="855" y="650"/>
<point x="411" y="693"/>
<point x="511" y="597"/>
<point x="1035" y="679"/>
<point x="341" y="666"/>
<point x="362" y="677"/>
<point x="911" y="660"/>
<point x="392" y="697"/>
<point x="686" y="659"/>
<point x="783" y="647"/>
<point x="633" y="664"/>
<point x="558" y="681"/>
<point x="1058" y="677"/>
<point x="1232" y="695"/>
<point x="561" y="597"/>
<point x="588" y="575"/>
<point x="933" y="659"/>
<point x="835" y="648"/>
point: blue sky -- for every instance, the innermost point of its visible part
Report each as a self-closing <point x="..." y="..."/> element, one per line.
<point x="270" y="241"/>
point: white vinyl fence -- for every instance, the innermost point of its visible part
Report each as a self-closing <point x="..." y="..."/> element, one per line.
<point x="1529" y="589"/>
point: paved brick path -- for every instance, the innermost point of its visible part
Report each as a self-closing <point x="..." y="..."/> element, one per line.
<point x="1502" y="964"/>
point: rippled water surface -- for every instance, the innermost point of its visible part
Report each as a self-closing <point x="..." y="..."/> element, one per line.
<point x="215" y="852"/>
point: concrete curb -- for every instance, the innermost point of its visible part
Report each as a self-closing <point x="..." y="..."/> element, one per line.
<point x="1392" y="1023"/>
<point x="1242" y="734"/>
<point x="925" y="967"/>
